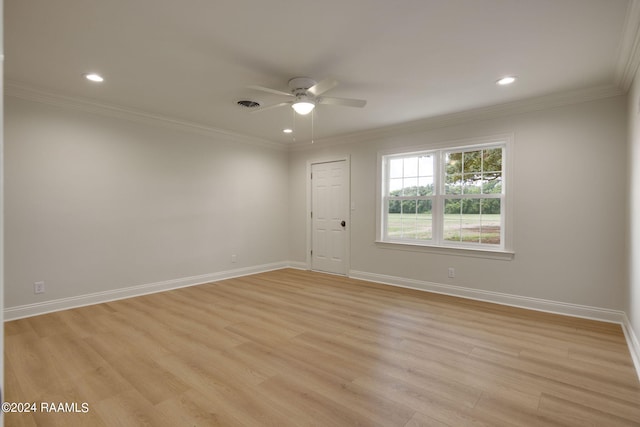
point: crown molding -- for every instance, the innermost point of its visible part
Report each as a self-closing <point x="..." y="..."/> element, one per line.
<point x="17" y="90"/>
<point x="484" y="113"/>
<point x="629" y="50"/>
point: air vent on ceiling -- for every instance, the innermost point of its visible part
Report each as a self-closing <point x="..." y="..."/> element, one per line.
<point x="248" y="104"/>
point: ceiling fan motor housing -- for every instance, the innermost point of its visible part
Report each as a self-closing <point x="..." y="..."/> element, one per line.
<point x="300" y="84"/>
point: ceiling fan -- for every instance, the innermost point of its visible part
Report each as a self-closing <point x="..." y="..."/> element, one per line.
<point x="306" y="94"/>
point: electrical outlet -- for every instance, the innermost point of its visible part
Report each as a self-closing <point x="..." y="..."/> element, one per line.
<point x="234" y="258"/>
<point x="452" y="272"/>
<point x="38" y="288"/>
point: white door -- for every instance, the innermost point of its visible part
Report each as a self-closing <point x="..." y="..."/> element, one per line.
<point x="329" y="216"/>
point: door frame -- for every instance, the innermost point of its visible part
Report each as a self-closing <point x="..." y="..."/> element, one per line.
<point x="347" y="249"/>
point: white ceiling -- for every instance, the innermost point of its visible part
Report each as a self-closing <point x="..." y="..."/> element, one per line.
<point x="191" y="60"/>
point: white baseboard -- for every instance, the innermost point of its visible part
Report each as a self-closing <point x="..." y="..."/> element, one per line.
<point x="298" y="265"/>
<point x="574" y="310"/>
<point x="18" y="312"/>
<point x="633" y="343"/>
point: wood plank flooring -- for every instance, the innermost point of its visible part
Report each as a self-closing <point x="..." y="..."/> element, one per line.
<point x="297" y="348"/>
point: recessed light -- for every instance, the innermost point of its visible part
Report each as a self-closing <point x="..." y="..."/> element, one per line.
<point x="507" y="80"/>
<point x="97" y="78"/>
<point x="287" y="130"/>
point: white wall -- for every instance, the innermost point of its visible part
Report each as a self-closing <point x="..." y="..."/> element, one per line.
<point x="570" y="202"/>
<point x="96" y="203"/>
<point x="1" y="205"/>
<point x="633" y="301"/>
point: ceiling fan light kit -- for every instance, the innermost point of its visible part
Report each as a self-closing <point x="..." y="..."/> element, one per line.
<point x="303" y="106"/>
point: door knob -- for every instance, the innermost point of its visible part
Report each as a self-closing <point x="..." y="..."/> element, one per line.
<point x="343" y="223"/>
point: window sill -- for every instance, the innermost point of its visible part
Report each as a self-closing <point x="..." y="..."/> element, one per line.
<point x="442" y="250"/>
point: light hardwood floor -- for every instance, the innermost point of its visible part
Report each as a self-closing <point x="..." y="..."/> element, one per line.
<point x="296" y="348"/>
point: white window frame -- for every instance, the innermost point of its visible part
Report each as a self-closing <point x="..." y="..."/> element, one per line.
<point x="437" y="244"/>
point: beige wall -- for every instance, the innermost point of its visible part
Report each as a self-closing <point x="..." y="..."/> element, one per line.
<point x="569" y="207"/>
<point x="95" y="203"/>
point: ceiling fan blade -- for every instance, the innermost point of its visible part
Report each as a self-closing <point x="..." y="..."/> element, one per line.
<point x="270" y="107"/>
<point x="347" y="102"/>
<point x="266" y="89"/>
<point x="322" y="87"/>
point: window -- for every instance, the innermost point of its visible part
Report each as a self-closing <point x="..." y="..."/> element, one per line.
<point x="449" y="197"/>
<point x="409" y="197"/>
